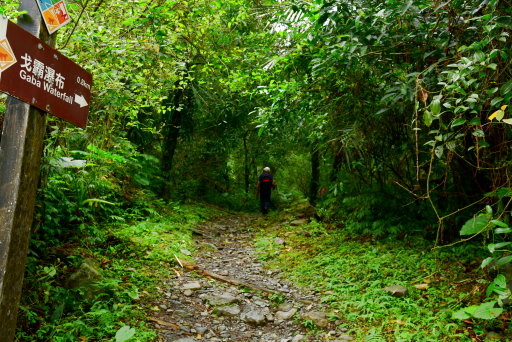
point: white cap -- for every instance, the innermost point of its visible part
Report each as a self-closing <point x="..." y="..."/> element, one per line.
<point x="266" y="169"/>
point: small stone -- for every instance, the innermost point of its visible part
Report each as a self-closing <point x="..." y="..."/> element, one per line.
<point x="493" y="336"/>
<point x="185" y="339"/>
<point x="279" y="241"/>
<point x="298" y="338"/>
<point x="201" y="330"/>
<point x="317" y="317"/>
<point x="255" y="317"/>
<point x="222" y="299"/>
<point x="285" y="307"/>
<point x="194" y="285"/>
<point x="185" y="252"/>
<point x="346" y="338"/>
<point x="261" y="303"/>
<point x="396" y="290"/>
<point x="285" y="315"/>
<point x="188" y="293"/>
<point x="298" y="222"/>
<point x="231" y="310"/>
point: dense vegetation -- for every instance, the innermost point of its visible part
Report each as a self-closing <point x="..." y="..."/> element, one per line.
<point x="389" y="116"/>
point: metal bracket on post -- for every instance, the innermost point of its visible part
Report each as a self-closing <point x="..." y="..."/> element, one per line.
<point x="21" y="149"/>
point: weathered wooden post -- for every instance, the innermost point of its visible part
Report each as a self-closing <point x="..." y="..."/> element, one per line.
<point x="46" y="81"/>
<point x="20" y="155"/>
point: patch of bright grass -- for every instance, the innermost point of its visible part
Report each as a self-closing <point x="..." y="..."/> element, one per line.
<point x="133" y="259"/>
<point x="350" y="272"/>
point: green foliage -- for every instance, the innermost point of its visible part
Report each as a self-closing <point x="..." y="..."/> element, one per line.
<point x="374" y="335"/>
<point x="8" y="8"/>
<point x="498" y="290"/>
<point x="404" y="104"/>
<point x="350" y="271"/>
<point x="124" y="333"/>
<point x="476" y="225"/>
<point x="376" y="213"/>
<point x="133" y="258"/>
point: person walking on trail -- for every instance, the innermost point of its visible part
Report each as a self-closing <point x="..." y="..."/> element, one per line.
<point x="264" y="188"/>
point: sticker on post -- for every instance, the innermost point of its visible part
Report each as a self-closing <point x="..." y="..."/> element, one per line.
<point x="7" y="57"/>
<point x="55" y="14"/>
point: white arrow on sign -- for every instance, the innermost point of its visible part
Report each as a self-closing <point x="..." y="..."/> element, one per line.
<point x="80" y="100"/>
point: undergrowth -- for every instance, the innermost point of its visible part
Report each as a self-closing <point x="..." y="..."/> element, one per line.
<point x="131" y="260"/>
<point x="351" y="271"/>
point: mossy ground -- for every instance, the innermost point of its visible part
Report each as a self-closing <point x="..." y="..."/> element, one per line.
<point x="133" y="258"/>
<point x="350" y="272"/>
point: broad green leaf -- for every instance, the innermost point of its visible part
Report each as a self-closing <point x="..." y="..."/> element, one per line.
<point x="492" y="91"/>
<point x="479" y="56"/>
<point x="479" y="133"/>
<point x="461" y="315"/>
<point x="504" y="192"/>
<point x="435" y="107"/>
<point x="439" y="150"/>
<point x="458" y="122"/>
<point x="500" y="281"/>
<point x="503" y="230"/>
<point x="475" y="225"/>
<point x="475" y="121"/>
<point x="504" y="260"/>
<point x="496" y="286"/>
<point x="428" y="118"/>
<point x="506" y="88"/>
<point x="495" y="246"/>
<point x="487" y="261"/>
<point x="465" y="313"/>
<point x="124" y="333"/>
<point x="507" y="121"/>
<point x="496" y="100"/>
<point x="499" y="223"/>
<point x="487" y="311"/>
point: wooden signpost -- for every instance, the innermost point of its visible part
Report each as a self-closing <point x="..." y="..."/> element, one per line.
<point x="45" y="78"/>
<point x="40" y="80"/>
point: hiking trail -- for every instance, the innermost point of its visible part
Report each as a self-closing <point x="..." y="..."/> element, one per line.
<point x="227" y="293"/>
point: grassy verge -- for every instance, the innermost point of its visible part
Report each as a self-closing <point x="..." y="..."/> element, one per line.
<point x="351" y="271"/>
<point x="131" y="260"/>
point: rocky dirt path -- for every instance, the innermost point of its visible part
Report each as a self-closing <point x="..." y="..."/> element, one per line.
<point x="229" y="295"/>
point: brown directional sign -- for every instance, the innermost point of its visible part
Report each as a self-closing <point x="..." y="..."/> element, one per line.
<point x="35" y="73"/>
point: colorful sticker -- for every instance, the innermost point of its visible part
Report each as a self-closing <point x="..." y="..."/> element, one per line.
<point x="7" y="57"/>
<point x="55" y="14"/>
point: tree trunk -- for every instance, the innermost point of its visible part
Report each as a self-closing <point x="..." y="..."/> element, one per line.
<point x="246" y="165"/>
<point x="177" y="109"/>
<point x="315" y="174"/>
<point x="336" y="164"/>
<point x="171" y="131"/>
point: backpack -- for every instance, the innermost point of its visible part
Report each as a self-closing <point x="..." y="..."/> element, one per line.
<point x="266" y="181"/>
